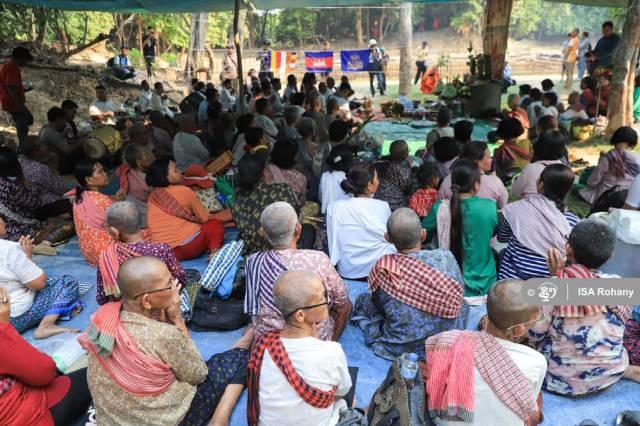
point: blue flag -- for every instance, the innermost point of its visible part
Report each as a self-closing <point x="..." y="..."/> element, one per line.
<point x="354" y="60"/>
<point x="318" y="61"/>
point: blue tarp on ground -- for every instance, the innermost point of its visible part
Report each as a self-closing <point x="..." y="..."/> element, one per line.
<point x="558" y="411"/>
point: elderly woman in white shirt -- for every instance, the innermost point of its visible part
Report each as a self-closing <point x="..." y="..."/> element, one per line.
<point x="356" y="226"/>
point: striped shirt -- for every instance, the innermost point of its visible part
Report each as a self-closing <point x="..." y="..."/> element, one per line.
<point x="520" y="261"/>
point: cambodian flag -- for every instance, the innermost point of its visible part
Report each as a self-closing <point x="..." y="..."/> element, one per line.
<point x="318" y="61"/>
<point x="354" y="60"/>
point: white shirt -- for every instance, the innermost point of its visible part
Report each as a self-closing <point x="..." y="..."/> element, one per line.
<point x="633" y="197"/>
<point x="531" y="111"/>
<point x="550" y="110"/>
<point x="320" y="364"/>
<point x="489" y="410"/>
<point x="16" y="269"/>
<point x="572" y="114"/>
<point x="144" y="99"/>
<point x="227" y="100"/>
<point x="355" y="230"/>
<point x="161" y="105"/>
<point x="100" y="107"/>
<point x="330" y="189"/>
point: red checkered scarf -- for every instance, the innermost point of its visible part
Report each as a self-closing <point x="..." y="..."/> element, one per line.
<point x="451" y="357"/>
<point x="170" y="205"/>
<point x="109" y="342"/>
<point x="567" y="311"/>
<point x="271" y="341"/>
<point x="109" y="264"/>
<point x="417" y="284"/>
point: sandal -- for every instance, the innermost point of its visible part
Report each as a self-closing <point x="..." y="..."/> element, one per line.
<point x="628" y="418"/>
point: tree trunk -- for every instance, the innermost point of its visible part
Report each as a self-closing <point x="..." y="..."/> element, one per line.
<point x="381" y="27"/>
<point x="359" y="37"/>
<point x="85" y="30"/>
<point x="139" y="32"/>
<point x="406" y="41"/>
<point x="620" y="110"/>
<point x="368" y="35"/>
<point x="496" y="33"/>
<point x="237" y="41"/>
<point x="41" y="21"/>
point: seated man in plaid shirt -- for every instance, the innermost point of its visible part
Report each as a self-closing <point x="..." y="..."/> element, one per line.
<point x="415" y="293"/>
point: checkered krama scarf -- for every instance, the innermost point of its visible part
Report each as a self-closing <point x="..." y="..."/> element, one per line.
<point x="567" y="311"/>
<point x="417" y="284"/>
<point x="271" y="341"/>
<point x="170" y="205"/>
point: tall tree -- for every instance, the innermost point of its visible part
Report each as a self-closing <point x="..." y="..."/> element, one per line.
<point x="359" y="35"/>
<point x="620" y="110"/>
<point x="496" y="33"/>
<point x="238" y="42"/>
<point x="406" y="42"/>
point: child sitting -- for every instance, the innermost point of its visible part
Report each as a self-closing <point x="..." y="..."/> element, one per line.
<point x="132" y="174"/>
<point x="514" y="153"/>
<point x="547" y="86"/>
<point x="394" y="176"/>
<point x="442" y="130"/>
<point x="339" y="161"/>
<point x="198" y="179"/>
<point x="583" y="344"/>
<point x="425" y="196"/>
<point x="525" y="99"/>
<point x="549" y="105"/>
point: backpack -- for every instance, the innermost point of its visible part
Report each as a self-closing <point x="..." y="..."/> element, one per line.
<point x="392" y="405"/>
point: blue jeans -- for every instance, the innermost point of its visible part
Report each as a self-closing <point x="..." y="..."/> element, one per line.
<point x="582" y="66"/>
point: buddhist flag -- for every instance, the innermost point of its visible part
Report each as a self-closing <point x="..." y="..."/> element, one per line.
<point x="276" y="62"/>
<point x="292" y="59"/>
<point x="318" y="61"/>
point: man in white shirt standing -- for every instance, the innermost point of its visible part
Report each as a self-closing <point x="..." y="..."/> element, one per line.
<point x="316" y="371"/>
<point x="102" y="109"/>
<point x="507" y="376"/>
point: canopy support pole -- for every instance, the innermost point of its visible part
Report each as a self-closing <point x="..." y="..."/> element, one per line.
<point x="406" y="41"/>
<point x="495" y="35"/>
<point x="238" y="44"/>
<point x="620" y="104"/>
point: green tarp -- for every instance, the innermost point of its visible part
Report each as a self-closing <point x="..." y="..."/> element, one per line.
<point x="179" y="6"/>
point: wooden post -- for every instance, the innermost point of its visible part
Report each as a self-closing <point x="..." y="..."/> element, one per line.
<point x="359" y="35"/>
<point x="496" y="34"/>
<point x="406" y="42"/>
<point x="236" y="41"/>
<point x="620" y="105"/>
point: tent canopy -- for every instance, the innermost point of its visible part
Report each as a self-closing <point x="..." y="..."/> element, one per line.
<point x="182" y="6"/>
<point x="185" y="6"/>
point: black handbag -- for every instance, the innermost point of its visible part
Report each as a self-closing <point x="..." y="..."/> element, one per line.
<point x="211" y="313"/>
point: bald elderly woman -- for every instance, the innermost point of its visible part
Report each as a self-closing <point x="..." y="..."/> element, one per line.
<point x="152" y="372"/>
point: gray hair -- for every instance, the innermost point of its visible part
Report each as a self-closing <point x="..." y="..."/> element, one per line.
<point x="124" y="216"/>
<point x="293" y="290"/>
<point x="279" y="222"/>
<point x="307" y="127"/>
<point x="291" y="114"/>
<point x="404" y="228"/>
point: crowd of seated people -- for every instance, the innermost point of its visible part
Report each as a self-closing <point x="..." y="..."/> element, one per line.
<point x="313" y="214"/>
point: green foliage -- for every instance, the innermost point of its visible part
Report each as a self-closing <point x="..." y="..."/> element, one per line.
<point x="136" y="58"/>
<point x="170" y="58"/>
<point x="294" y="26"/>
<point x="470" y="18"/>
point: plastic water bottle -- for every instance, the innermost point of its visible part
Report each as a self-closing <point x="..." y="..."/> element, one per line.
<point x="68" y="354"/>
<point x="409" y="368"/>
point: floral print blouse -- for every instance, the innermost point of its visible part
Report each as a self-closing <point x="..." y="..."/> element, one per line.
<point x="248" y="208"/>
<point x="585" y="354"/>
